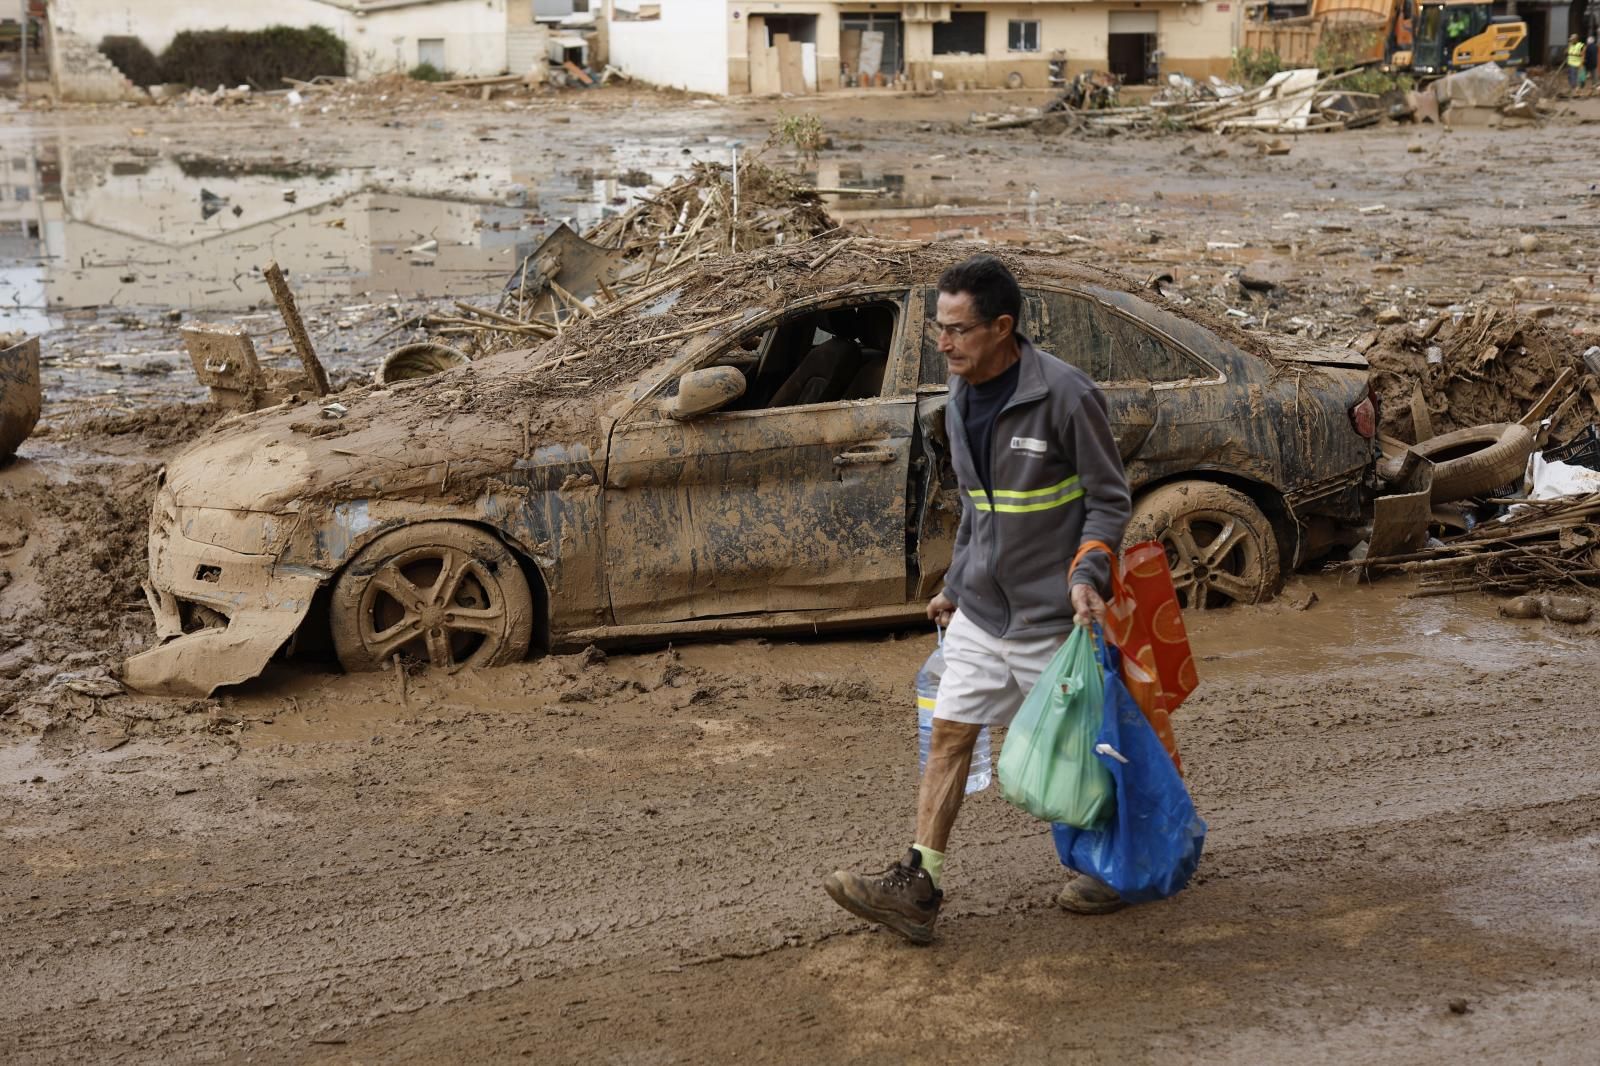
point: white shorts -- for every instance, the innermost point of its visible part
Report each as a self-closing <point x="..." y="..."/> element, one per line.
<point x="987" y="678"/>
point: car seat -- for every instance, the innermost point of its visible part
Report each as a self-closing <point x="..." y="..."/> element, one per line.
<point x="876" y="333"/>
<point x="828" y="368"/>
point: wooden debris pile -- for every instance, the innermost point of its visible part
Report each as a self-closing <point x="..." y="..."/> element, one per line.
<point x="1291" y="101"/>
<point x="640" y="252"/>
<point x="1545" y="544"/>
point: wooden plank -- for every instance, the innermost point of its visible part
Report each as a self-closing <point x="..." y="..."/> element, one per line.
<point x="1536" y="412"/>
<point x="578" y="72"/>
<point x="766" y="61"/>
<point x="764" y="71"/>
<point x="787" y="82"/>
<point x="755" y="44"/>
<point x="791" y="65"/>
<point x="297" y="328"/>
<point x="763" y="60"/>
<point x="850" y="50"/>
<point x="1421" y="420"/>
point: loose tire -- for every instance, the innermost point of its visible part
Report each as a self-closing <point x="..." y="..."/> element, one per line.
<point x="1471" y="462"/>
<point x="1221" y="548"/>
<point x="446" y="594"/>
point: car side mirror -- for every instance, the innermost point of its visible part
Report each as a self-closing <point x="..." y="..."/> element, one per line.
<point x="703" y="391"/>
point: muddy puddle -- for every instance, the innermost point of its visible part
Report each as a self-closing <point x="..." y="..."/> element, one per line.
<point x="1382" y="625"/>
<point x="106" y="249"/>
<point x="145" y="226"/>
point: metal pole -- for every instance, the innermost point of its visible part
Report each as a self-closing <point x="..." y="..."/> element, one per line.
<point x="22" y="87"/>
<point x="733" y="229"/>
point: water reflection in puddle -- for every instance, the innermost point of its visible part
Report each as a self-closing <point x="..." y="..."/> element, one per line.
<point x="92" y="227"/>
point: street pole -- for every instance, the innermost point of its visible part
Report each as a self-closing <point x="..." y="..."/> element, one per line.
<point x="733" y="228"/>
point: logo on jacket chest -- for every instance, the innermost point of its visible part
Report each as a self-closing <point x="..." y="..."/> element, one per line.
<point x="1029" y="447"/>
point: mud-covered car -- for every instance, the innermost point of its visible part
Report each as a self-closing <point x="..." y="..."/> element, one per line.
<point x="755" y="447"/>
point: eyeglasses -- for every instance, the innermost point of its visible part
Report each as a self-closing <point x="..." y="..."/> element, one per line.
<point x="956" y="329"/>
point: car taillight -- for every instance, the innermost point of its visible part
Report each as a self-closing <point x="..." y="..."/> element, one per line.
<point x="1364" y="416"/>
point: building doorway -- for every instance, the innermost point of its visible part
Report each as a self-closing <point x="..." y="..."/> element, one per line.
<point x="870" y="45"/>
<point x="783" y="54"/>
<point x="1131" y="46"/>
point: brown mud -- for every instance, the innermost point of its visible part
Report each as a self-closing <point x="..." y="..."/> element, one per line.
<point x="589" y="858"/>
<point x="618" y="858"/>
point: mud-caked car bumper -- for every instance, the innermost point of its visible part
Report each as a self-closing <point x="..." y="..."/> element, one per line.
<point x="224" y="602"/>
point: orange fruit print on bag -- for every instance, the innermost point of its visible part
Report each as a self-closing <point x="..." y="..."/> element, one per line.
<point x="1144" y="620"/>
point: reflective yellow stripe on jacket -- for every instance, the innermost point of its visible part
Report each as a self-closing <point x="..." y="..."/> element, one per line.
<point x="1575" y="54"/>
<point x="1068" y="491"/>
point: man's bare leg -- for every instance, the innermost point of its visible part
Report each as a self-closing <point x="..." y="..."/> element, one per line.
<point x="906" y="896"/>
<point x="944" y="785"/>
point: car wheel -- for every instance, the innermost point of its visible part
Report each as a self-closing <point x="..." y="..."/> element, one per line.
<point x="449" y="595"/>
<point x="1221" y="548"/>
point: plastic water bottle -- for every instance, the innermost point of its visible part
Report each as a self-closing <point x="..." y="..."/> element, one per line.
<point x="981" y="772"/>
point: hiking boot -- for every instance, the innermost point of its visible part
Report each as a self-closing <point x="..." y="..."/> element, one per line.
<point x="1086" y="895"/>
<point x="901" y="897"/>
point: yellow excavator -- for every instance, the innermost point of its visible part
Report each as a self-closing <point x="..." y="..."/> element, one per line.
<point x="1429" y="38"/>
<point x="1457" y="34"/>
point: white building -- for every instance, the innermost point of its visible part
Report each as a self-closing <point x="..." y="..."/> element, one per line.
<point x="793" y="46"/>
<point x="466" y="37"/>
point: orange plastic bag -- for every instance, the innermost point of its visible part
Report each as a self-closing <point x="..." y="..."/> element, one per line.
<point x="1145" y="622"/>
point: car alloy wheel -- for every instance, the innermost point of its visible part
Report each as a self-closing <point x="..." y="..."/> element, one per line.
<point x="449" y="595"/>
<point x="1221" y="548"/>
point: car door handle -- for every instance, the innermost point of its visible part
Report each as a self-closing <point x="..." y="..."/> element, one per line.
<point x="863" y="456"/>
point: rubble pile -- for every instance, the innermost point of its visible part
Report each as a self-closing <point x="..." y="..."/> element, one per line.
<point x="1549" y="544"/>
<point x="1474" y="368"/>
<point x="643" y="250"/>
<point x="388" y="92"/>
<point x="1291" y="101"/>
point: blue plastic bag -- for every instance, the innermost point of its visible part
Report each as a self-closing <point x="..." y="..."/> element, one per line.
<point x="1151" y="845"/>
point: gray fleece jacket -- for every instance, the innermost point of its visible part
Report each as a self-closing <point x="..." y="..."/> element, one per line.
<point x="1058" y="482"/>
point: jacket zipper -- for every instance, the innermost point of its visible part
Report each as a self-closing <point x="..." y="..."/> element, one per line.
<point x="994" y="523"/>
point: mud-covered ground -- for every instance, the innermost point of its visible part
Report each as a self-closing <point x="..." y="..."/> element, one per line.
<point x="618" y="859"/>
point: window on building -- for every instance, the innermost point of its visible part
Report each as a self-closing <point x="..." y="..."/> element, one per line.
<point x="1022" y="35"/>
<point x="963" y="34"/>
<point x="430" y="51"/>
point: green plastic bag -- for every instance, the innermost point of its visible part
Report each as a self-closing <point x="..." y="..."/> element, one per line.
<point x="1047" y="765"/>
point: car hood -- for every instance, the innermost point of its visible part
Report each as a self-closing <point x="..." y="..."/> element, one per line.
<point x="380" y="446"/>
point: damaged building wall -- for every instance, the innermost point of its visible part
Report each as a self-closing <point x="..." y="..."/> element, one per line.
<point x="686" y="48"/>
<point x="752" y="32"/>
<point x="977" y="45"/>
<point x="468" y="36"/>
<point x="1196" y="39"/>
<point x="157" y="24"/>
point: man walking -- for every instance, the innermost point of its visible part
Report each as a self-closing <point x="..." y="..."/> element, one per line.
<point x="1574" y="60"/>
<point x="1040" y="475"/>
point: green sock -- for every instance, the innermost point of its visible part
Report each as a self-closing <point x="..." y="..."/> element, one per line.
<point x="932" y="861"/>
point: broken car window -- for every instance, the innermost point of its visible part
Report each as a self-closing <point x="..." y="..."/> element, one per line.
<point x="818" y="356"/>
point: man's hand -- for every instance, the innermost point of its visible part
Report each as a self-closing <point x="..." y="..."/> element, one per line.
<point x="1086" y="605"/>
<point x="940" y="610"/>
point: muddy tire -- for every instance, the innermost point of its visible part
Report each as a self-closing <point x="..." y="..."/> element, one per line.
<point x="1220" y="546"/>
<point x="448" y="595"/>
<point x="1471" y="462"/>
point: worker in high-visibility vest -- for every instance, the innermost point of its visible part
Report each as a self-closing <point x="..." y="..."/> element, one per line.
<point x="1574" y="60"/>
